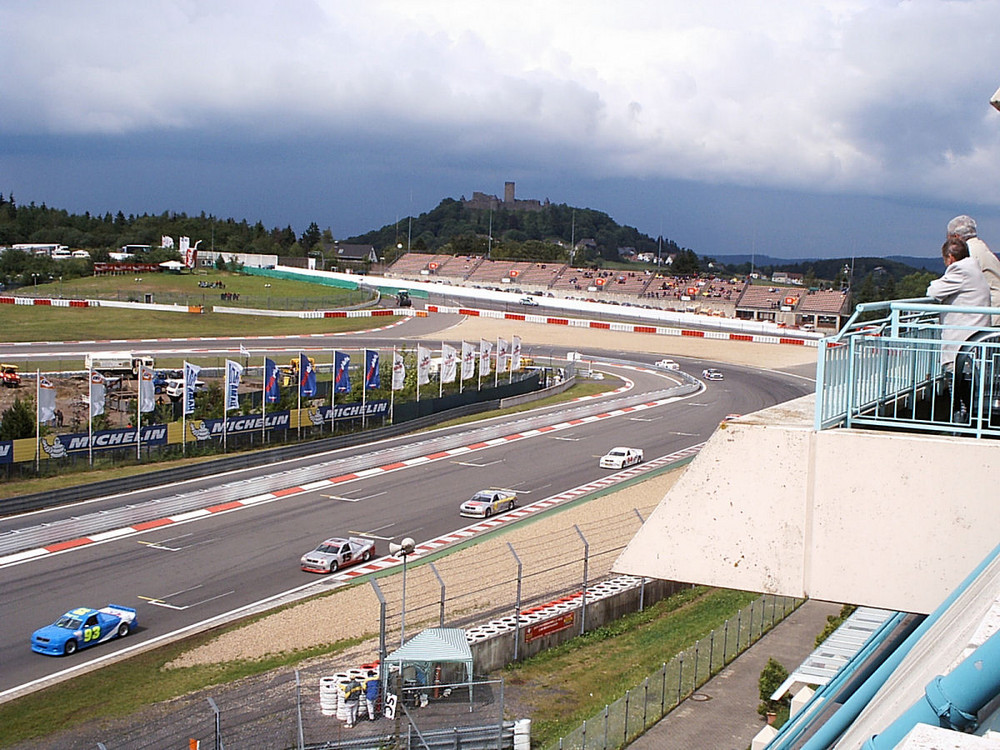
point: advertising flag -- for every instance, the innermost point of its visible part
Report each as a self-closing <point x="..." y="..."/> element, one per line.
<point x="448" y="356"/>
<point x="372" y="377"/>
<point x="468" y="360"/>
<point x="515" y="353"/>
<point x="46" y="400"/>
<point x="398" y="371"/>
<point x="341" y="376"/>
<point x="97" y="388"/>
<point x="485" y="349"/>
<point x="147" y="391"/>
<point x="307" y="376"/>
<point x="502" y="353"/>
<point x="423" y="365"/>
<point x="190" y="383"/>
<point x="234" y="373"/>
<point x="271" y="386"/>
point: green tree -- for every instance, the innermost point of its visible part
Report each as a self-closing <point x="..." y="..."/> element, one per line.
<point x="18" y="420"/>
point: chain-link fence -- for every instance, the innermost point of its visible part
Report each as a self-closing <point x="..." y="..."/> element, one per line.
<point x="632" y="714"/>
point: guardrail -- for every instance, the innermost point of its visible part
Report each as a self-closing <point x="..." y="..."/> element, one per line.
<point x="884" y="370"/>
<point x="15" y="540"/>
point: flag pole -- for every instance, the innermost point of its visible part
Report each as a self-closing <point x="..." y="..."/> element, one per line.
<point x="90" y="416"/>
<point x="138" y="415"/>
<point x="298" y="390"/>
<point x="496" y="370"/>
<point x="333" y="387"/>
<point x="263" y="400"/>
<point x="225" y="409"/>
<point x="441" y="373"/>
<point x="392" y="391"/>
<point x="364" y="386"/>
<point x="38" y="418"/>
<point x="184" y="398"/>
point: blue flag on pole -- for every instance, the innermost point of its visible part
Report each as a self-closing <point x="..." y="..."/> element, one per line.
<point x="372" y="377"/>
<point x="341" y="379"/>
<point x="307" y="376"/>
<point x="271" y="392"/>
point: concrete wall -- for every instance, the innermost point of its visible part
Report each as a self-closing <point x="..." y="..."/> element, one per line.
<point x="882" y="519"/>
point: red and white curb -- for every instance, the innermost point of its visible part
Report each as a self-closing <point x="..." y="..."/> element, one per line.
<point x="759" y="338"/>
<point x="267" y="497"/>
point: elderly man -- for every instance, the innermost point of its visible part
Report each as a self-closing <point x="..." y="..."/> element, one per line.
<point x="963" y="285"/>
<point x="964" y="227"/>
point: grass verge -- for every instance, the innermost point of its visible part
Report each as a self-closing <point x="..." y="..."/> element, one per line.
<point x="562" y="687"/>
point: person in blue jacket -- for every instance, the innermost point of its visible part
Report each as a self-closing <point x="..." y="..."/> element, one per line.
<point x="371" y="694"/>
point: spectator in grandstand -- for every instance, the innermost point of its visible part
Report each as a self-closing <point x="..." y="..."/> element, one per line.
<point x="964" y="227"/>
<point x="962" y="285"/>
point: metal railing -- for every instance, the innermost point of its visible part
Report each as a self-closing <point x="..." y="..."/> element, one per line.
<point x="889" y="369"/>
<point x="619" y="723"/>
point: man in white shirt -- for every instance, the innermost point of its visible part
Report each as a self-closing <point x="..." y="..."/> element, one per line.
<point x="963" y="285"/>
<point x="964" y="227"/>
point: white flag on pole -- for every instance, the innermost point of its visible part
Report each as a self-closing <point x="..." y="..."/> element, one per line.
<point x="190" y="383"/>
<point x="502" y="353"/>
<point x="98" y="386"/>
<point x="398" y="371"/>
<point x="515" y="353"/>
<point x="46" y="400"/>
<point x="468" y="360"/>
<point x="423" y="365"/>
<point x="234" y="372"/>
<point x="485" y="349"/>
<point x="449" y="355"/>
<point x="147" y="391"/>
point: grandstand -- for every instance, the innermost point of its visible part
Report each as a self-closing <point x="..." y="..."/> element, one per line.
<point x="823" y="308"/>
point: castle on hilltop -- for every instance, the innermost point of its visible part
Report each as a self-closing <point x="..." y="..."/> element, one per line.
<point x="483" y="201"/>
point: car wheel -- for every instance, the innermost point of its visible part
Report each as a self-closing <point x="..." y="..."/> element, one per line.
<point x="333" y="567"/>
<point x="511" y="505"/>
<point x="488" y="512"/>
<point x="70" y="647"/>
<point x="123" y="630"/>
<point x="367" y="556"/>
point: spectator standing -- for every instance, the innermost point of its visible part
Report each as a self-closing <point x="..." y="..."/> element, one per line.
<point x="964" y="227"/>
<point x="371" y="694"/>
<point x="352" y="696"/>
<point x="963" y="285"/>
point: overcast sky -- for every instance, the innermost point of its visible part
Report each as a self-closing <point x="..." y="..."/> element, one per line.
<point x="790" y="128"/>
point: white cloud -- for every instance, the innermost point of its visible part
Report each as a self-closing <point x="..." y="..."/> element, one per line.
<point x="879" y="97"/>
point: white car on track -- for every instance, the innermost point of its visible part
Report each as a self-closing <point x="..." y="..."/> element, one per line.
<point x="619" y="458"/>
<point x="712" y="374"/>
<point x="668" y="364"/>
<point x="487" y="502"/>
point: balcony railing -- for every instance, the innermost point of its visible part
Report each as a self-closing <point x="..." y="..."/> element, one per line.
<point x="883" y="370"/>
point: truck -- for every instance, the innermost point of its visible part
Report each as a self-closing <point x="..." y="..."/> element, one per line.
<point x="336" y="552"/>
<point x="118" y="363"/>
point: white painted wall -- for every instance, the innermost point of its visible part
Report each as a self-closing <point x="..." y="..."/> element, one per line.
<point x="882" y="519"/>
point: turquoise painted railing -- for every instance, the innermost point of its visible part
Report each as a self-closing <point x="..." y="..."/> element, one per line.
<point x="883" y="370"/>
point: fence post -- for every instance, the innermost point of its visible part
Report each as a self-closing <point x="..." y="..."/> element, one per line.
<point x="642" y="582"/>
<point x="725" y="643"/>
<point x="383" y="677"/>
<point x="605" y="746"/>
<point x="628" y="695"/>
<point x="586" y="564"/>
<point x="298" y="709"/>
<point x="645" y="702"/>
<point x="663" y="690"/>
<point x="694" y="684"/>
<point x="218" y="725"/>
<point x="441" y="581"/>
<point x="711" y="651"/>
<point x="517" y="604"/>
<point x="680" y="679"/>
<point x="739" y="631"/>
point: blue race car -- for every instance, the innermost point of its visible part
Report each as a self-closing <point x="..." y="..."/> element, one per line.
<point x="83" y="627"/>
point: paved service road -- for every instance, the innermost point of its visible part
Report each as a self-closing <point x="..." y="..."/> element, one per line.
<point x="183" y="574"/>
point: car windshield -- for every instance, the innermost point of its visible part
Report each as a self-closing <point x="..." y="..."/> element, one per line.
<point x="617" y="453"/>
<point x="330" y="549"/>
<point x="70" y="623"/>
<point x="481" y="497"/>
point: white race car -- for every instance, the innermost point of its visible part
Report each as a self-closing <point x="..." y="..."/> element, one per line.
<point x="668" y="364"/>
<point x="487" y="502"/>
<point x="619" y="458"/>
<point x="712" y="374"/>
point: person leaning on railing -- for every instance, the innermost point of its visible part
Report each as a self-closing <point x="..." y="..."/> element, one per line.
<point x="963" y="285"/>
<point x="964" y="227"/>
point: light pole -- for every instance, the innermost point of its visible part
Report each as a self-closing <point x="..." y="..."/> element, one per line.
<point x="404" y="549"/>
